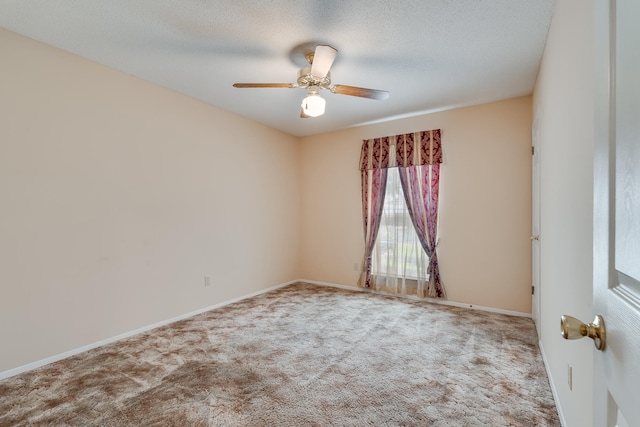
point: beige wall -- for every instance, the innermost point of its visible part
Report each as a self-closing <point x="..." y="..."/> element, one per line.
<point x="118" y="197"/>
<point x="564" y="95"/>
<point x="485" y="211"/>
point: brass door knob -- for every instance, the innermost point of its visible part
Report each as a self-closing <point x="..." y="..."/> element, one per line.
<point x="573" y="329"/>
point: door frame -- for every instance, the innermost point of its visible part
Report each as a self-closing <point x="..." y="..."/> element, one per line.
<point x="535" y="220"/>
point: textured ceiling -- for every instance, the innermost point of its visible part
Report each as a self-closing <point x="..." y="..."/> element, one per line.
<point x="430" y="54"/>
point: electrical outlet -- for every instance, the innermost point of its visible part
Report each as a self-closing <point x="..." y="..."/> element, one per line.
<point x="207" y="280"/>
<point x="570" y="377"/>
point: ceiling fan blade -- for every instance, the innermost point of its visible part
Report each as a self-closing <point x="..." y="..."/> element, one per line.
<point x="361" y="91"/>
<point x="259" y="85"/>
<point x="322" y="61"/>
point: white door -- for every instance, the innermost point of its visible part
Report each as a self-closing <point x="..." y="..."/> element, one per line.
<point x="535" y="220"/>
<point x="617" y="212"/>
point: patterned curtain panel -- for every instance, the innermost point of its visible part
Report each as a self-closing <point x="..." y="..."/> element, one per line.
<point x="420" y="185"/>
<point x="374" y="183"/>
<point x="418" y="157"/>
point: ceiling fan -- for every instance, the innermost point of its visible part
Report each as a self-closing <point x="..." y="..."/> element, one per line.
<point x="315" y="77"/>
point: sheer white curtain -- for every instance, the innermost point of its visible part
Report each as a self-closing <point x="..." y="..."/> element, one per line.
<point x="399" y="263"/>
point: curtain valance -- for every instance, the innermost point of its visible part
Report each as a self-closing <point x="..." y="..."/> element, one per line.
<point x="410" y="149"/>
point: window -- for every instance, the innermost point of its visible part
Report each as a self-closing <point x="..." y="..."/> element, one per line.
<point x="397" y="254"/>
<point x="399" y="257"/>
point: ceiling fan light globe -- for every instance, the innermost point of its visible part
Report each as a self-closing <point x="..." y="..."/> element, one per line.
<point x="313" y="105"/>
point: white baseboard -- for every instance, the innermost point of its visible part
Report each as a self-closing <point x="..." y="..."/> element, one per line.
<point x="333" y="285"/>
<point x="433" y="300"/>
<point x="66" y="354"/>
<point x="554" y="392"/>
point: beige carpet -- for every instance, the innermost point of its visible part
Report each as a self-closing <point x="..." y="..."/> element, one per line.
<point x="303" y="355"/>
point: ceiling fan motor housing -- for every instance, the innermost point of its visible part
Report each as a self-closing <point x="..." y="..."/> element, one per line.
<point x="306" y="79"/>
